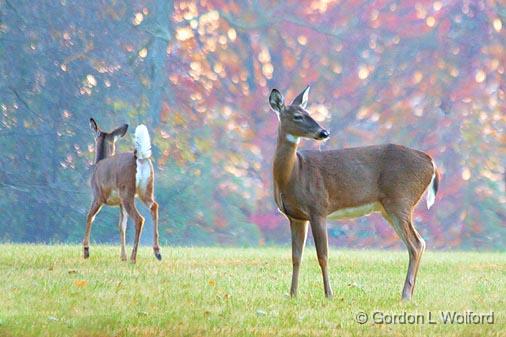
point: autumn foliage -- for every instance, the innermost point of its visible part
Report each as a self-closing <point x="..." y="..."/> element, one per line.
<point x="425" y="74"/>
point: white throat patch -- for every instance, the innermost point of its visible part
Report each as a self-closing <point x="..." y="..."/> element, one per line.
<point x="292" y="139"/>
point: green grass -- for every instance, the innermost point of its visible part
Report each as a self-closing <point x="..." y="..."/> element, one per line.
<point x="52" y="291"/>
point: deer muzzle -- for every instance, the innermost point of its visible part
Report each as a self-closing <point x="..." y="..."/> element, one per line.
<point x="323" y="134"/>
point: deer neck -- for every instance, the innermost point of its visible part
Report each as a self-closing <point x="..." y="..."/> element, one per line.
<point x="285" y="159"/>
<point x="99" y="151"/>
<point x="103" y="151"/>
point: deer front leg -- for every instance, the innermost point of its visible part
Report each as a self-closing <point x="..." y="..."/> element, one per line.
<point x="94" y="209"/>
<point x="319" y="229"/>
<point x="299" y="234"/>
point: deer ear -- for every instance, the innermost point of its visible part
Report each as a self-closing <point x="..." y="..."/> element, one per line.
<point x="119" y="132"/>
<point x="301" y="100"/>
<point x="93" y="125"/>
<point x="277" y="101"/>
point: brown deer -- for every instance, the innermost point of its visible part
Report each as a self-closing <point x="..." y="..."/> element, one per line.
<point x="117" y="179"/>
<point x="348" y="183"/>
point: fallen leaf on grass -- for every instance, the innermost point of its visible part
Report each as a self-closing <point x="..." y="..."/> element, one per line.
<point x="212" y="283"/>
<point x="328" y="324"/>
<point x="72" y="271"/>
<point x="355" y="285"/>
<point x="80" y="283"/>
<point x="118" y="286"/>
<point x="261" y="312"/>
<point x="52" y="318"/>
<point x="224" y="297"/>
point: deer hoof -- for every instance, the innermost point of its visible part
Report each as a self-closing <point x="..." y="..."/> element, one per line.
<point x="158" y="255"/>
<point x="123" y="258"/>
<point x="86" y="252"/>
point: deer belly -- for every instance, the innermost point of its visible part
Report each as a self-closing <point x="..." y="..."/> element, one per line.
<point x="355" y="212"/>
<point x="142" y="175"/>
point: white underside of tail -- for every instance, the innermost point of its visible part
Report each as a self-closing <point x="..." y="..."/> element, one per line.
<point x="431" y="197"/>
<point x="142" y="142"/>
<point x="142" y="174"/>
<point x="143" y="152"/>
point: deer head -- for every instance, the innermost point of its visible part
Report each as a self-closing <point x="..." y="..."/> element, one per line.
<point x="294" y="119"/>
<point x="105" y="142"/>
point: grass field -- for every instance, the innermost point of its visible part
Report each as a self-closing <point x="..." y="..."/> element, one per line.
<point x="52" y="291"/>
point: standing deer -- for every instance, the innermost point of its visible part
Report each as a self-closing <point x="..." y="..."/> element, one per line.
<point x="117" y="179"/>
<point x="348" y="183"/>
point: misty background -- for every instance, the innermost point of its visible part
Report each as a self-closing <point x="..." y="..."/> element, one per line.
<point x="425" y="74"/>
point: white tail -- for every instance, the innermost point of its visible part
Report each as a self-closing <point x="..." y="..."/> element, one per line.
<point x="142" y="142"/>
<point x="431" y="191"/>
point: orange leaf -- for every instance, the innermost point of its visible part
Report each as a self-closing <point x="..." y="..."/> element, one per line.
<point x="80" y="283"/>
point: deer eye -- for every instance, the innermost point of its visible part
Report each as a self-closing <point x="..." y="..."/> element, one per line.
<point x="298" y="117"/>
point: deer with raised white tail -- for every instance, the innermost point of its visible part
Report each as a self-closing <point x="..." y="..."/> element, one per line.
<point x="310" y="186"/>
<point x="117" y="179"/>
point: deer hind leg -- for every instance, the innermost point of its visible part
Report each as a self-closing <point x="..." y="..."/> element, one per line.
<point x="153" y="207"/>
<point x="319" y="229"/>
<point x="122" y="225"/>
<point x="129" y="205"/>
<point x="400" y="217"/>
<point x="299" y="234"/>
<point x="94" y="209"/>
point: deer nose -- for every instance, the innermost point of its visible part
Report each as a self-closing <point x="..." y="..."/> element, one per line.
<point x="324" y="134"/>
